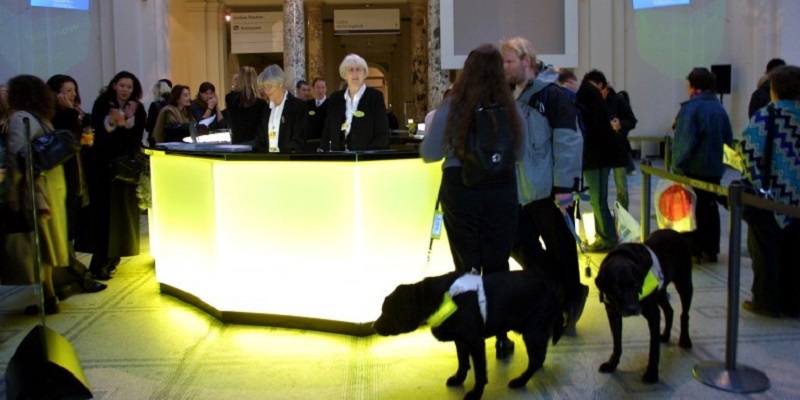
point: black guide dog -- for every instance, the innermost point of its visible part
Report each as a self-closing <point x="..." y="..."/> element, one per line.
<point x="522" y="301"/>
<point x="621" y="281"/>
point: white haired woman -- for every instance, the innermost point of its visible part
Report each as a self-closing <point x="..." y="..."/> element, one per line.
<point x="357" y="114"/>
<point x="283" y="125"/>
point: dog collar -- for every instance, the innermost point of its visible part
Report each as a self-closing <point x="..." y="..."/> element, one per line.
<point x="446" y="309"/>
<point x="654" y="278"/>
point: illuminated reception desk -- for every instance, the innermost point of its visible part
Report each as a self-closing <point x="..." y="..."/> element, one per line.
<point x="312" y="241"/>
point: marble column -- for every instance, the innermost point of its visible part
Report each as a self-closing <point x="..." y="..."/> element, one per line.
<point x="438" y="79"/>
<point x="419" y="58"/>
<point x="314" y="32"/>
<point x="294" y="42"/>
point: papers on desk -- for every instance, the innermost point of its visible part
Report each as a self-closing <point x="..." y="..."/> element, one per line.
<point x="208" y="121"/>
<point x="216" y="137"/>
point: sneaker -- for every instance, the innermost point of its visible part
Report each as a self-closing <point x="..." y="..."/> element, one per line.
<point x="750" y="306"/>
<point x="503" y="348"/>
<point x="599" y="247"/>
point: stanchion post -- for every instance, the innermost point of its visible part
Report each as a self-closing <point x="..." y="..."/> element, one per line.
<point x="644" y="213"/>
<point x="734" y="266"/>
<point x="728" y="376"/>
<point x="667" y="153"/>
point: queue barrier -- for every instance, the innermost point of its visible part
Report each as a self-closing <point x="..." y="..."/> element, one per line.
<point x="728" y="376"/>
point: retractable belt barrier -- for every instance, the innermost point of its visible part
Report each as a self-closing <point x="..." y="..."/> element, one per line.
<point x="726" y="376"/>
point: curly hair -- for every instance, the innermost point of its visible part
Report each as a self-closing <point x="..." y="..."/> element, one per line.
<point x="482" y="82"/>
<point x="29" y="93"/>
<point x="56" y="81"/>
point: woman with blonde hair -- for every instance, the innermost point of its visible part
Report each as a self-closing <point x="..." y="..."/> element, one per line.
<point x="356" y="114"/>
<point x="245" y="106"/>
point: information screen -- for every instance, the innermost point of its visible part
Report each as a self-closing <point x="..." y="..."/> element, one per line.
<point x="66" y="4"/>
<point x="644" y="4"/>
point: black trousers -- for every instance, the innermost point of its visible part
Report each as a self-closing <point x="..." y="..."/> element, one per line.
<point x="776" y="269"/>
<point x="559" y="259"/>
<point x="480" y="223"/>
<point x="705" y="239"/>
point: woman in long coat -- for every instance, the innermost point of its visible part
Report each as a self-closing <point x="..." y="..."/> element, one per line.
<point x="110" y="224"/>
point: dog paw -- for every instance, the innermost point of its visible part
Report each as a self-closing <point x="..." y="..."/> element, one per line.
<point x="474" y="394"/>
<point x="685" y="342"/>
<point x="608" y="367"/>
<point x="456" y="380"/>
<point x="650" y="377"/>
<point x="518" y="382"/>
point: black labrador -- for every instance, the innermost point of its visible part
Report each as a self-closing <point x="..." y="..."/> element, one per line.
<point x="522" y="301"/>
<point x="627" y="287"/>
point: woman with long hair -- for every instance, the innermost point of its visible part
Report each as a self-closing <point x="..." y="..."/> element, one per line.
<point x="29" y="98"/>
<point x="206" y="105"/>
<point x="118" y="119"/>
<point x="173" y="121"/>
<point x="481" y="221"/>
<point x="245" y="106"/>
<point x="70" y="116"/>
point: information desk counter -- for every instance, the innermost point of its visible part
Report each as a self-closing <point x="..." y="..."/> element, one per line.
<point x="311" y="241"/>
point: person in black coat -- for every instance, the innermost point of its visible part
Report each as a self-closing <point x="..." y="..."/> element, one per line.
<point x="357" y="114"/>
<point x="118" y="120"/>
<point x="317" y="112"/>
<point x="598" y="158"/>
<point x="622" y="122"/>
<point x="760" y="97"/>
<point x="245" y="107"/>
<point x="283" y="123"/>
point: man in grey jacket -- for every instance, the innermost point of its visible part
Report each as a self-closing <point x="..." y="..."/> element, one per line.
<point x="547" y="175"/>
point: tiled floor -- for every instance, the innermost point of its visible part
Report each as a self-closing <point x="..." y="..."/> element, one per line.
<point x="135" y="343"/>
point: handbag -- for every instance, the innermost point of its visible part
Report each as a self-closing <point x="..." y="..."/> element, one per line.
<point x="17" y="253"/>
<point x="127" y="168"/>
<point x="51" y="149"/>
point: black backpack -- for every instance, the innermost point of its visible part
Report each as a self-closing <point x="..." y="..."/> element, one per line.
<point x="488" y="158"/>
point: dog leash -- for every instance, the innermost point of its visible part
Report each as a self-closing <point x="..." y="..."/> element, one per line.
<point x="577" y="196"/>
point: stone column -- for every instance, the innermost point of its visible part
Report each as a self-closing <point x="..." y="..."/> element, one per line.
<point x="419" y="58"/>
<point x="294" y="42"/>
<point x="438" y="79"/>
<point x="314" y="32"/>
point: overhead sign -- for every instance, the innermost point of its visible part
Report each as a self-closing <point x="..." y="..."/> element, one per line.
<point x="257" y="32"/>
<point x="358" y="22"/>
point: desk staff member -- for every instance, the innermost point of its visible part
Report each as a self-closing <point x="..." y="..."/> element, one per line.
<point x="283" y="125"/>
<point x="356" y="115"/>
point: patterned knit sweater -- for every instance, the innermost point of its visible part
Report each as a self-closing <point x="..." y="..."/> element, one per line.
<point x="784" y="179"/>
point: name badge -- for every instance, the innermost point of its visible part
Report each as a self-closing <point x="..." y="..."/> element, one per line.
<point x="312" y="112"/>
<point x="273" y="149"/>
<point x="358" y="113"/>
<point x="272" y="134"/>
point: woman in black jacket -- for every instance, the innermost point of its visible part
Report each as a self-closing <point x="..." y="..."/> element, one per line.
<point x="70" y="116"/>
<point x="245" y="107"/>
<point x="356" y="115"/>
<point x="283" y="124"/>
<point x="118" y="119"/>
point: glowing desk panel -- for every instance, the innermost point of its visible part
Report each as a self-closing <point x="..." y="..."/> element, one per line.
<point x="303" y="241"/>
